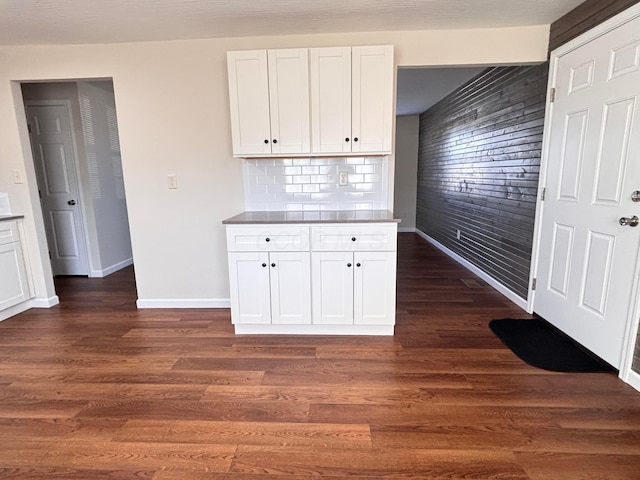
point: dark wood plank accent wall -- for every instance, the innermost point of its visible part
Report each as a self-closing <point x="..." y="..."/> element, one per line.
<point x="478" y="167"/>
<point x="584" y="17"/>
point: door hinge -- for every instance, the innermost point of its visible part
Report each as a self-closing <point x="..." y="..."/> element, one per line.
<point x="553" y="95"/>
<point x="534" y="284"/>
<point x="543" y="195"/>
<point x="40" y="193"/>
<point x="29" y="127"/>
<point x="49" y="254"/>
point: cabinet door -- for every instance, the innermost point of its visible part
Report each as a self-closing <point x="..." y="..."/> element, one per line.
<point x="331" y="100"/>
<point x="14" y="287"/>
<point x="289" y="100"/>
<point x="372" y="97"/>
<point x="374" y="288"/>
<point x="249" y="102"/>
<point x="290" y="287"/>
<point x="249" y="287"/>
<point x="332" y="291"/>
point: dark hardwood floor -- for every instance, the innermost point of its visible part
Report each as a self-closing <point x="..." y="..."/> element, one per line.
<point x="95" y="389"/>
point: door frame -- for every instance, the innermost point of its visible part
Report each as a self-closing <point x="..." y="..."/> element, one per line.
<point x="632" y="321"/>
<point x="76" y="172"/>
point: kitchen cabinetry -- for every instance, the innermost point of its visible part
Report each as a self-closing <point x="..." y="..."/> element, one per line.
<point x="269" y="274"/>
<point x="14" y="284"/>
<point x="354" y="274"/>
<point x="352" y="99"/>
<point x="269" y="101"/>
<point x="339" y="102"/>
<point x="313" y="278"/>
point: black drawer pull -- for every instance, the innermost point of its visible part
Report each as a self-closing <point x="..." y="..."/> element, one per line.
<point x="267" y="239"/>
<point x="273" y="264"/>
<point x="353" y="239"/>
<point x="349" y="265"/>
<point x="358" y="265"/>
<point x="264" y="265"/>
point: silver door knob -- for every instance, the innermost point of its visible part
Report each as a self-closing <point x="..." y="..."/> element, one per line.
<point x="71" y="202"/>
<point x="630" y="222"/>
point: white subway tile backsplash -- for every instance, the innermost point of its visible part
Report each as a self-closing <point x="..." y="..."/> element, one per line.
<point x="312" y="183"/>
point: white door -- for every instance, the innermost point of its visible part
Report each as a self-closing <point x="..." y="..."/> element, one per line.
<point x="332" y="293"/>
<point x="372" y="98"/>
<point x="249" y="102"/>
<point x="290" y="280"/>
<point x="331" y="100"/>
<point x="289" y="100"/>
<point x="53" y="154"/>
<point x="249" y="287"/>
<point x="374" y="291"/>
<point x="588" y="260"/>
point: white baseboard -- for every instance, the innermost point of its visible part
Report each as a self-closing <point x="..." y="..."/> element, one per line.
<point x="633" y="379"/>
<point x="268" y="329"/>
<point x="45" y="302"/>
<point x="109" y="270"/>
<point x="406" y="230"/>
<point x="28" y="304"/>
<point x="521" y="302"/>
<point x="184" y="303"/>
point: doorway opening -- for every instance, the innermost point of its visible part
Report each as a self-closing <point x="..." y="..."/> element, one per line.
<point x="75" y="145"/>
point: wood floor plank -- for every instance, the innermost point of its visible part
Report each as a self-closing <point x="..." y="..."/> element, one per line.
<point x="247" y="433"/>
<point x="96" y="389"/>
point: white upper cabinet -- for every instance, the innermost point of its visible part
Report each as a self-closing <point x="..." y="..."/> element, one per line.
<point x="331" y="99"/>
<point x="269" y="101"/>
<point x="338" y="101"/>
<point x="352" y="99"/>
<point x="289" y="100"/>
<point x="371" y="98"/>
<point x="249" y="100"/>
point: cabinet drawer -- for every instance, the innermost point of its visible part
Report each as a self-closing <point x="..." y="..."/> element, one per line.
<point x="9" y="232"/>
<point x="268" y="238"/>
<point x="354" y="237"/>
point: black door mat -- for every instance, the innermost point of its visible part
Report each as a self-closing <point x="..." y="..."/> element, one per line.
<point x="540" y="345"/>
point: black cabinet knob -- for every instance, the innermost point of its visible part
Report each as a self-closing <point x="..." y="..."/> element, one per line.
<point x="355" y="139"/>
<point x="264" y="265"/>
<point x="348" y="265"/>
<point x="353" y="239"/>
<point x="346" y="139"/>
<point x="266" y="141"/>
<point x="275" y="141"/>
<point x="267" y="239"/>
<point x="358" y="265"/>
<point x="273" y="264"/>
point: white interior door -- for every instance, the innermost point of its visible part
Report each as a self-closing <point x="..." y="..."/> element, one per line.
<point x="53" y="154"/>
<point x="588" y="260"/>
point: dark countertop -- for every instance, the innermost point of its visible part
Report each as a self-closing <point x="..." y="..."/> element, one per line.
<point x="10" y="217"/>
<point x="315" y="216"/>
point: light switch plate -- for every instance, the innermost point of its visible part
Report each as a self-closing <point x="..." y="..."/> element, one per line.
<point x="172" y="181"/>
<point x="17" y="176"/>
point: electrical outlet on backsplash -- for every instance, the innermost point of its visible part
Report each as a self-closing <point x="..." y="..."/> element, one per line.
<point x="288" y="184"/>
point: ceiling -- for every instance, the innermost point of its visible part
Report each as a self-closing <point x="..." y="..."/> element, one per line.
<point x="37" y="22"/>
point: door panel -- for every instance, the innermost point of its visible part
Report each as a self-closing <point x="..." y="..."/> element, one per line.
<point x="54" y="161"/>
<point x="249" y="287"/>
<point x="332" y="287"/>
<point x="588" y="259"/>
<point x="374" y="288"/>
<point x="290" y="279"/>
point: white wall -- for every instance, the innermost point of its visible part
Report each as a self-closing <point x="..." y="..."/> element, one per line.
<point x="406" y="171"/>
<point x="173" y="114"/>
<point x="105" y="178"/>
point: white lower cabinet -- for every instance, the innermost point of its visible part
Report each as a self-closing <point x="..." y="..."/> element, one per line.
<point x="323" y="279"/>
<point x="14" y="285"/>
<point x="270" y="287"/>
<point x="356" y="288"/>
